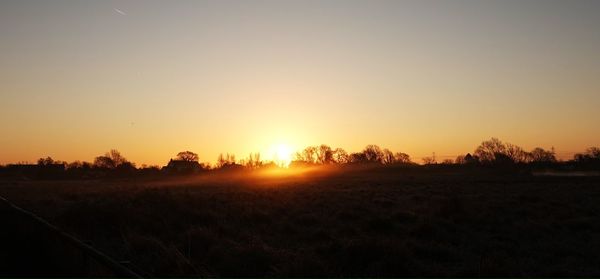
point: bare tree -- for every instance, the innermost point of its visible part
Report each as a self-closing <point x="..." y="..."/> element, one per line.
<point x="309" y="154"/>
<point x="111" y="160"/>
<point x="45" y="161"/>
<point x="104" y="162"/>
<point x="117" y="157"/>
<point x="402" y="158"/>
<point x="253" y="161"/>
<point x="187" y="156"/>
<point x="516" y="153"/>
<point x="373" y="153"/>
<point x="340" y="156"/>
<point x="387" y="157"/>
<point x="591" y="154"/>
<point x="324" y="154"/>
<point x="228" y="159"/>
<point x="488" y="150"/>
<point x="221" y="160"/>
<point x="539" y="155"/>
<point x="429" y="160"/>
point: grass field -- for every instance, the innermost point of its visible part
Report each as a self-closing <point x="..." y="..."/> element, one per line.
<point x="378" y="222"/>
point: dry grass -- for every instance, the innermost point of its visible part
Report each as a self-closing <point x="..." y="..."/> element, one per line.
<point x="333" y="223"/>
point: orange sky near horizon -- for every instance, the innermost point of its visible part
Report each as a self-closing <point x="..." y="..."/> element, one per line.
<point x="154" y="78"/>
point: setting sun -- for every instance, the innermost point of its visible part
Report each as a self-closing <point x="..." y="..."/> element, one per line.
<point x="282" y="155"/>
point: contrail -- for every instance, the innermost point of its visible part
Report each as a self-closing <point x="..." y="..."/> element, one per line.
<point x="119" y="11"/>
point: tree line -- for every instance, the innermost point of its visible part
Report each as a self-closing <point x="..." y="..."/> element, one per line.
<point x="492" y="152"/>
<point x="324" y="154"/>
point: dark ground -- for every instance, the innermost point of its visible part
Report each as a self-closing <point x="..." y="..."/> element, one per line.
<point x="385" y="222"/>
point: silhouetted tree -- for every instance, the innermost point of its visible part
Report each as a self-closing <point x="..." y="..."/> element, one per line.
<point x="79" y="165"/>
<point x="221" y="160"/>
<point x="110" y="160"/>
<point x="205" y="166"/>
<point x="448" y="162"/>
<point x="253" y="161"/>
<point x="104" y="162"/>
<point x="324" y="154"/>
<point x="594" y="152"/>
<point x="74" y="165"/>
<point x="45" y="161"/>
<point x="187" y="156"/>
<point x="460" y="160"/>
<point x="125" y="168"/>
<point x="340" y="156"/>
<point x="516" y="153"/>
<point x="373" y="153"/>
<point x="358" y="158"/>
<point x="117" y="157"/>
<point x="309" y="154"/>
<point x="495" y="151"/>
<point x="429" y="160"/>
<point x="402" y="158"/>
<point x="470" y="159"/>
<point x="591" y="154"/>
<point x="487" y="150"/>
<point x="226" y="160"/>
<point x="387" y="157"/>
<point x="539" y="155"/>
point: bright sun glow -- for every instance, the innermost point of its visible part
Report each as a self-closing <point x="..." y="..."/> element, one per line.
<point x="282" y="155"/>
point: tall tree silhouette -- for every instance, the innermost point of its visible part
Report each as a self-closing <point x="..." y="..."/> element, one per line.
<point x="387" y="156"/>
<point x="489" y="149"/>
<point x="309" y="154"/>
<point x="324" y="154"/>
<point x="373" y="153"/>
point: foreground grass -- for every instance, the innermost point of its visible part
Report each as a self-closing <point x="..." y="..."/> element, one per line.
<point x="365" y="223"/>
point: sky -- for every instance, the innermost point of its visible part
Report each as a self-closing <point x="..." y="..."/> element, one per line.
<point x="152" y="78"/>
